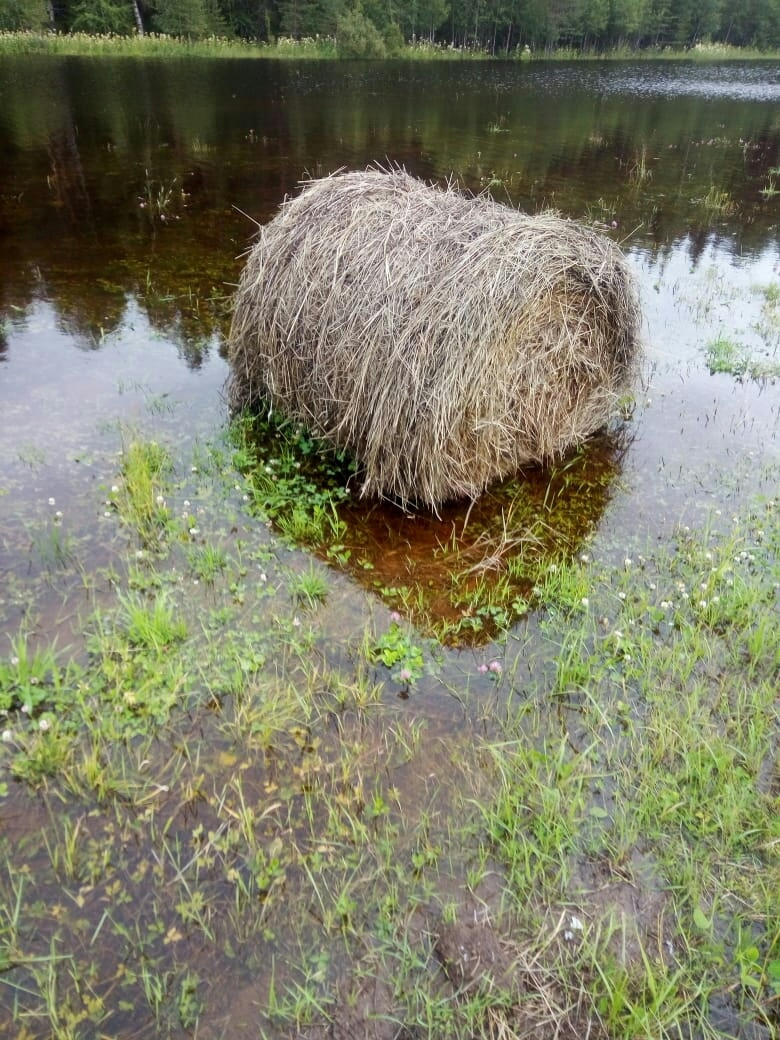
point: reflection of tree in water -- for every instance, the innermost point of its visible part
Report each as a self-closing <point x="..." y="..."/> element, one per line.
<point x="66" y="175"/>
<point x="221" y="135"/>
<point x="188" y="302"/>
<point x="3" y="341"/>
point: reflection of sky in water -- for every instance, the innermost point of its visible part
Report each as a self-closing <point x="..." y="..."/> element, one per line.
<point x="64" y="412"/>
<point x="701" y="441"/>
<point x="736" y="81"/>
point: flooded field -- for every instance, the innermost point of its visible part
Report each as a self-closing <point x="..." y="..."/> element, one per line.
<point x="253" y="789"/>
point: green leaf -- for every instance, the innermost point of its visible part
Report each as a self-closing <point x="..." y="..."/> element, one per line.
<point x="700" y="919"/>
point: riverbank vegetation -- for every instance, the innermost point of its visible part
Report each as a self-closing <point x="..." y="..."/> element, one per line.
<point x="369" y="29"/>
<point x="211" y="780"/>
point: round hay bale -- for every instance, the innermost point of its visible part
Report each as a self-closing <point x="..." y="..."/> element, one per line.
<point x="443" y="340"/>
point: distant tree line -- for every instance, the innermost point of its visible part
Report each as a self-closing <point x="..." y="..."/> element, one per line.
<point x="381" y="27"/>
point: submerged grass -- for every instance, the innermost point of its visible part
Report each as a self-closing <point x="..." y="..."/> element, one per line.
<point x="489" y="572"/>
<point x="217" y="818"/>
<point x="727" y="356"/>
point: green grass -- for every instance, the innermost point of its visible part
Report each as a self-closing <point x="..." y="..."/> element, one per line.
<point x="727" y="356"/>
<point x="218" y="794"/>
<point x="140" y="498"/>
<point x="309" y="587"/>
<point x="160" y="46"/>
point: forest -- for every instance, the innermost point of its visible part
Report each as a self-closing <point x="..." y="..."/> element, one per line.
<point x="381" y="28"/>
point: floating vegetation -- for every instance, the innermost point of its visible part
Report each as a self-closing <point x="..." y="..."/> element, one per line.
<point x="732" y="358"/>
<point x="717" y="202"/>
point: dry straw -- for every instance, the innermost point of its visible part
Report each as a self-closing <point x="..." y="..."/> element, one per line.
<point x="444" y="340"/>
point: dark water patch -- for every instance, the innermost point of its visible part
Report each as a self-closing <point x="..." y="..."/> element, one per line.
<point x="461" y="574"/>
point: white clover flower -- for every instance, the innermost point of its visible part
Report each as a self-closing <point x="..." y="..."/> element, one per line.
<point x="186" y="503"/>
<point x="44" y="725"/>
<point x="627" y="562"/>
<point x="14" y="661"/>
<point x="160" y="500"/>
<point x="114" y="489"/>
<point x="584" y="558"/>
<point x="52" y="501"/>
<point x="585" y="601"/>
<point x="621" y="595"/>
<point x="8" y="736"/>
<point x="194" y="531"/>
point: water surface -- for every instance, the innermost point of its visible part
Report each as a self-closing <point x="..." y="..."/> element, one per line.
<point x="130" y="189"/>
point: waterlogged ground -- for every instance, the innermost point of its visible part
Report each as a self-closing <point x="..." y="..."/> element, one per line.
<point x="507" y="772"/>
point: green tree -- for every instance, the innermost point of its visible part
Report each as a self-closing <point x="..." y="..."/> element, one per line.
<point x="183" y="17"/>
<point x="253" y="19"/>
<point x="592" y="21"/>
<point x="421" y="19"/>
<point x="746" y="23"/>
<point x="16" y="15"/>
<point x="102" y="16"/>
<point x="358" y="37"/>
<point x="626" y="21"/>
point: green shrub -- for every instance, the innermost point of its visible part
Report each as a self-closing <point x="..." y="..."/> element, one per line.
<point x="357" y="37"/>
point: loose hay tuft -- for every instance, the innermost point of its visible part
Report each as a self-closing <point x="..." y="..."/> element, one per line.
<point x="443" y="340"/>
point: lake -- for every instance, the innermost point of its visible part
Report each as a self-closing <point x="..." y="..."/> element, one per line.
<point x="129" y="191"/>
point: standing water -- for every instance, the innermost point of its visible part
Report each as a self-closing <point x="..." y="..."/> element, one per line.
<point x="129" y="190"/>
